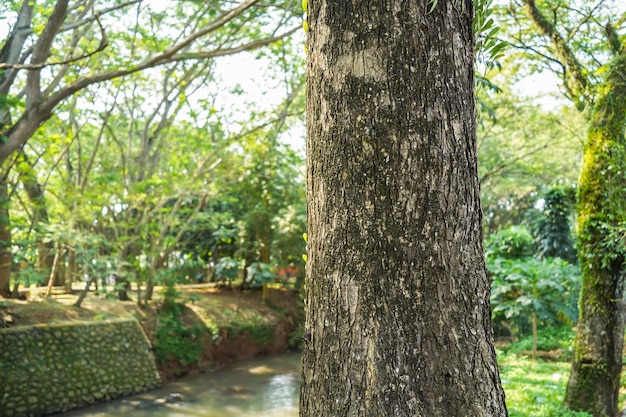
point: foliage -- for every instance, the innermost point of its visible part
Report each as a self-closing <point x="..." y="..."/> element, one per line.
<point x="256" y="328"/>
<point x="259" y="273"/>
<point x="488" y="47"/>
<point x="525" y="288"/>
<point x="24" y="264"/>
<point x="151" y="168"/>
<point x="296" y="338"/>
<point x="173" y="339"/>
<point x="552" y="227"/>
<point x="270" y="200"/>
<point x="512" y="243"/>
<point x="227" y="269"/>
<point x="522" y="287"/>
<point x="548" y="339"/>
<point x="522" y="152"/>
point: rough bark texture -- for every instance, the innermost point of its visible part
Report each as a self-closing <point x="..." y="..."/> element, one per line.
<point x="595" y="377"/>
<point x="398" y="317"/>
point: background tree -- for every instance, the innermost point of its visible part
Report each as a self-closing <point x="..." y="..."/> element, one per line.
<point x="580" y="44"/>
<point x="552" y="228"/>
<point x="523" y="149"/>
<point x="61" y="47"/>
<point x="398" y="319"/>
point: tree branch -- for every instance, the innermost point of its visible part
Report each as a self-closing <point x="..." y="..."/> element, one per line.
<point x="504" y="164"/>
<point x="38" y="112"/>
<point x="41" y="52"/>
<point x="231" y="51"/>
<point x="574" y="79"/>
<point x="37" y="66"/>
<point x="15" y="42"/>
<point x="616" y="46"/>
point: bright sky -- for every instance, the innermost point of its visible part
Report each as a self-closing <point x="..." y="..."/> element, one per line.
<point x="543" y="88"/>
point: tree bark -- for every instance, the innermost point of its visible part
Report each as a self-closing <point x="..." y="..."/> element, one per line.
<point x="595" y="376"/>
<point x="71" y="271"/>
<point x="397" y="297"/>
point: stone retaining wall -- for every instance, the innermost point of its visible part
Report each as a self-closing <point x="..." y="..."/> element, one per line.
<point x="53" y="368"/>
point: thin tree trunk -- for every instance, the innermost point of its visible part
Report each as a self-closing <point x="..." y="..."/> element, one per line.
<point x="60" y="270"/>
<point x="5" y="241"/>
<point x="15" y="293"/>
<point x="149" y="286"/>
<point x="122" y="286"/>
<point x="11" y="53"/>
<point x="397" y="296"/>
<point x="534" y="354"/>
<point x="595" y="376"/>
<point x="53" y="272"/>
<point x="84" y="293"/>
<point x="45" y="257"/>
<point x="70" y="272"/>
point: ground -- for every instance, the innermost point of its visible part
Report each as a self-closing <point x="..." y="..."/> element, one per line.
<point x="237" y="325"/>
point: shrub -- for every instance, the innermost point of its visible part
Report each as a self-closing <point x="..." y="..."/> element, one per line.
<point x="259" y="273"/>
<point x="511" y="243"/>
<point x="227" y="269"/>
<point x="173" y="339"/>
<point x="521" y="288"/>
<point x="548" y="339"/>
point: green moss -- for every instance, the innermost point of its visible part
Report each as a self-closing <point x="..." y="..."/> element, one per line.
<point x="602" y="184"/>
<point x="74" y="364"/>
<point x="602" y="247"/>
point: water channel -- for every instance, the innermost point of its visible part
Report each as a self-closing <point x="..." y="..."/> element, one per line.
<point x="264" y="387"/>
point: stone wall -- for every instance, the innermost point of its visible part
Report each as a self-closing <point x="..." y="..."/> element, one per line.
<point x="57" y="367"/>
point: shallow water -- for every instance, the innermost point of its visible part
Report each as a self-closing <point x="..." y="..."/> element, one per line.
<point x="264" y="387"/>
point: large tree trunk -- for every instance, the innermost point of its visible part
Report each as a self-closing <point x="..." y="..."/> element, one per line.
<point x="398" y="318"/>
<point x="595" y="377"/>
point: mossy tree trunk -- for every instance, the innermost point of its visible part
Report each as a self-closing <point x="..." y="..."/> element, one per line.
<point x="397" y="296"/>
<point x="595" y="377"/>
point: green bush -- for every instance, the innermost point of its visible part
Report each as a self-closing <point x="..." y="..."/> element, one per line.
<point x="255" y="328"/>
<point x="511" y="243"/>
<point x="259" y="273"/>
<point x="548" y="288"/>
<point x="227" y="269"/>
<point x="548" y="338"/>
<point x="173" y="339"/>
<point x="551" y="228"/>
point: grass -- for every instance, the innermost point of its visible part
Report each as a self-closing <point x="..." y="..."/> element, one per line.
<point x="537" y="388"/>
<point x="534" y="388"/>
